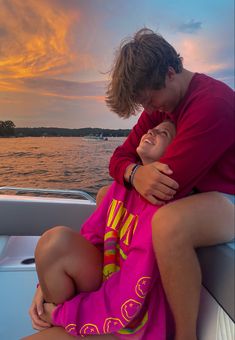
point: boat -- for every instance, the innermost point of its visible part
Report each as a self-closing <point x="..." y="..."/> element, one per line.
<point x="95" y="137"/>
<point x="25" y="218"/>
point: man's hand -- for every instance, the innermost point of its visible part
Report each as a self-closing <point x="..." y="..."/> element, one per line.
<point x="152" y="181"/>
<point x="36" y="311"/>
<point x="48" y="309"/>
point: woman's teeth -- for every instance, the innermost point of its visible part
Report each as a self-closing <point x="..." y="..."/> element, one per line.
<point x="149" y="141"/>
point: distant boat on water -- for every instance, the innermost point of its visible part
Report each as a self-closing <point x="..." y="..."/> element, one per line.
<point x="100" y="137"/>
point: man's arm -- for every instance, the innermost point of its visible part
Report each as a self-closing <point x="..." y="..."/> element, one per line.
<point x="203" y="136"/>
<point x="202" y="139"/>
<point x="151" y="179"/>
<point x="125" y="155"/>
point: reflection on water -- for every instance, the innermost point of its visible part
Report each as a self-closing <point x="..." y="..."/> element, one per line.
<point x="56" y="163"/>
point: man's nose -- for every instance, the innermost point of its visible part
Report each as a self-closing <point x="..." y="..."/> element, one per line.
<point x="149" y="109"/>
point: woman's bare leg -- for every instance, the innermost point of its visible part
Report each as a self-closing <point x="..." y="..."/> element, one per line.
<point x="178" y="228"/>
<point x="63" y="255"/>
<point x="101" y="193"/>
<point x="58" y="333"/>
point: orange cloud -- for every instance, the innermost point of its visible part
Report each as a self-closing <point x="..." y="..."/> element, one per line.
<point x="63" y="89"/>
<point x="36" y="40"/>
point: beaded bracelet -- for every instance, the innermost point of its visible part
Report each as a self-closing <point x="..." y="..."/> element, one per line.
<point x="132" y="174"/>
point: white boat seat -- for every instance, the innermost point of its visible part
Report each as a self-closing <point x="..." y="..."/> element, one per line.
<point x="217" y="264"/>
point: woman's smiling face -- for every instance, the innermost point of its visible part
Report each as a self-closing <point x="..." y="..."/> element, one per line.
<point x="155" y="142"/>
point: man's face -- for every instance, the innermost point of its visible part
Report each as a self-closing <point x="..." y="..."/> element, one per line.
<point x="155" y="142"/>
<point x="166" y="99"/>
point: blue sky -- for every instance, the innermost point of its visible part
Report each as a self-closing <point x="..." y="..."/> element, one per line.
<point x="55" y="54"/>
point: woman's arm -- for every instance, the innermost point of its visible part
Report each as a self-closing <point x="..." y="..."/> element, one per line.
<point x="121" y="296"/>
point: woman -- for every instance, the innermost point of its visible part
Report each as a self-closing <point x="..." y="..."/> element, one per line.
<point x="130" y="298"/>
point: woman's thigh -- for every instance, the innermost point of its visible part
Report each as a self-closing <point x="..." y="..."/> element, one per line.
<point x="62" y="249"/>
<point x="206" y="218"/>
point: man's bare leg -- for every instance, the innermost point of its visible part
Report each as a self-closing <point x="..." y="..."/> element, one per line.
<point x="178" y="228"/>
<point x="58" y="333"/>
<point x="63" y="255"/>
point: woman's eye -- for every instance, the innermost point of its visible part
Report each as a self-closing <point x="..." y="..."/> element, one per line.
<point x="164" y="133"/>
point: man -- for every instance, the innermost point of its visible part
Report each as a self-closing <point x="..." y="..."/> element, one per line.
<point x="149" y="73"/>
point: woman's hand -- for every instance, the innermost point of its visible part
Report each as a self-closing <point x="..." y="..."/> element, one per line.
<point x="152" y="181"/>
<point x="36" y="311"/>
<point x="48" y="309"/>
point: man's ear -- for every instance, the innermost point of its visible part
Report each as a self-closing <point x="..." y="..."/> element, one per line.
<point x="171" y="73"/>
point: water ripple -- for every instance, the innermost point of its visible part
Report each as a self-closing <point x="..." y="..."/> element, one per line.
<point x="56" y="163"/>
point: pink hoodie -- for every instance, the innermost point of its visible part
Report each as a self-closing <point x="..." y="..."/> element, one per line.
<point x="130" y="302"/>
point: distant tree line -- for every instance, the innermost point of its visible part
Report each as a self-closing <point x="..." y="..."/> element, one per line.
<point x="7" y="128"/>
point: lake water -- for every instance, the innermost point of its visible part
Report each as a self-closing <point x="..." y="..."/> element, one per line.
<point x="56" y="163"/>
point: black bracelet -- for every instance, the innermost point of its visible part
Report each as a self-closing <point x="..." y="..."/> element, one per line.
<point x="132" y="174"/>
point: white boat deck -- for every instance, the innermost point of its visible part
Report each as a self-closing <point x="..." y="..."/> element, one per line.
<point x="24" y="216"/>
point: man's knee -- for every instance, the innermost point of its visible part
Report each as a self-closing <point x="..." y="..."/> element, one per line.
<point x="168" y="226"/>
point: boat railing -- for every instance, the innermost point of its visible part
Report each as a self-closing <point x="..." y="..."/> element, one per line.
<point x="30" y="212"/>
<point x="21" y="190"/>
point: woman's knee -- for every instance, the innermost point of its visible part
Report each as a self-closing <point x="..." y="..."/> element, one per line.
<point x="53" y="243"/>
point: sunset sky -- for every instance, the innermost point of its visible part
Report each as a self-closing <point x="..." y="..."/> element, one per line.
<point x="55" y="54"/>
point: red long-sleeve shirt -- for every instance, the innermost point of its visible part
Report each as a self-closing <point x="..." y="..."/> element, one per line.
<point x="202" y="153"/>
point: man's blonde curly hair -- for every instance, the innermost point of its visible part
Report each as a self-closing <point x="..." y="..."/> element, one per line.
<point x="141" y="63"/>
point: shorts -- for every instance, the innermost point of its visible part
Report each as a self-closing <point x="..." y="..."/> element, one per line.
<point x="230" y="197"/>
